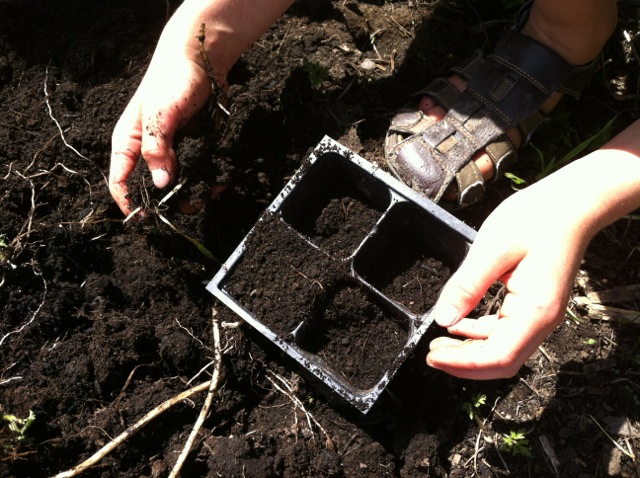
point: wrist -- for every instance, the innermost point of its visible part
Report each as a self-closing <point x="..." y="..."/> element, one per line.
<point x="594" y="191"/>
<point x="183" y="37"/>
<point x="230" y="27"/>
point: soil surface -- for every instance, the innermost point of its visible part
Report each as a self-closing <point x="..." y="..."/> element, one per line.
<point x="101" y="321"/>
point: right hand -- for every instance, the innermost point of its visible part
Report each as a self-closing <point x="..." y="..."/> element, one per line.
<point x="533" y="242"/>
<point x="177" y="85"/>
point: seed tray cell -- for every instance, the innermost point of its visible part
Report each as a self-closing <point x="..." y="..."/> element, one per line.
<point x="352" y="255"/>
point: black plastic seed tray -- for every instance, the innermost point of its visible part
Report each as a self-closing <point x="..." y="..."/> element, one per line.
<point x="341" y="246"/>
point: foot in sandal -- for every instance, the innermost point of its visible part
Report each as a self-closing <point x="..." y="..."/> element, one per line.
<point x="463" y="131"/>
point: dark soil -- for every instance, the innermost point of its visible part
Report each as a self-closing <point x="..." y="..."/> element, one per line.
<point x="102" y="321"/>
<point x="336" y="231"/>
<point x="357" y="337"/>
<point x="282" y="278"/>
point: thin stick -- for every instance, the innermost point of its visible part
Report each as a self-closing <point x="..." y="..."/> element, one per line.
<point x="24" y="234"/>
<point x="476" y="451"/>
<point x="618" y="446"/>
<point x="35" y="313"/>
<point x="313" y="281"/>
<point x="46" y="100"/>
<point x="546" y="355"/>
<point x="207" y="403"/>
<point x="10" y="379"/>
<point x="190" y="334"/>
<point x="296" y="401"/>
<point x="129" y="432"/>
<point x="493" y="301"/>
<point x="218" y="92"/>
<point x="552" y="458"/>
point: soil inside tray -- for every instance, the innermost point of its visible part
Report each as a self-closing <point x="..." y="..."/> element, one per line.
<point x="280" y="278"/>
<point x="409" y="276"/>
<point x="341" y="225"/>
<point x="356" y="337"/>
<point x="284" y="282"/>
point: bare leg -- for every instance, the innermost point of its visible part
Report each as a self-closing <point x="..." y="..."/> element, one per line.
<point x="575" y="29"/>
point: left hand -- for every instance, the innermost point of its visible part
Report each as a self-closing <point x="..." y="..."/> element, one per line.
<point x="534" y="246"/>
<point x="533" y="242"/>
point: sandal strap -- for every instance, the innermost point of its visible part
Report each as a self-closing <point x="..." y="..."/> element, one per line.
<point x="468" y="68"/>
<point x="470" y="184"/>
<point x="506" y="89"/>
<point x="579" y="76"/>
<point x="503" y="154"/>
<point x="518" y="77"/>
<point x="440" y="90"/>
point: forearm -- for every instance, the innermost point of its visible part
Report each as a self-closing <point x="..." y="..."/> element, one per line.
<point x="598" y="189"/>
<point x="231" y="26"/>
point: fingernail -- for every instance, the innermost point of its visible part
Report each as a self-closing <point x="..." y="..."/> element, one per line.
<point x="160" y="178"/>
<point x="446" y="315"/>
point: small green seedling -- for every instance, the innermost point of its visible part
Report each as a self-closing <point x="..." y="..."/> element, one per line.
<point x="591" y="342"/>
<point x="317" y="73"/>
<point x="516" y="443"/>
<point x="515" y="181"/>
<point x="19" y="426"/>
<point x="476" y="402"/>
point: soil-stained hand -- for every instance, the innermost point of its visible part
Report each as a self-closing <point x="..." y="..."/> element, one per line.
<point x="177" y="83"/>
<point x="174" y="88"/>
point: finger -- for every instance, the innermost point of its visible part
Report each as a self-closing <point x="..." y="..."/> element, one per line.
<point x="472" y="359"/>
<point x="167" y="106"/>
<point x="125" y="150"/>
<point x="475" y="328"/>
<point x="511" y="341"/>
<point x="486" y="263"/>
<point x="157" y="148"/>
<point x="122" y="165"/>
<point x="442" y="342"/>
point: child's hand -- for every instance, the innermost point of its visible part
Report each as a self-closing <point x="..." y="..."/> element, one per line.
<point x="174" y="88"/>
<point x="534" y="247"/>
<point x="177" y="85"/>
<point x="533" y="243"/>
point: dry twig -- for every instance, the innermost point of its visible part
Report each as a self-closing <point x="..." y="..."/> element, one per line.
<point x="220" y="96"/>
<point x="629" y="453"/>
<point x="289" y="393"/>
<point x="132" y="430"/>
<point x="207" y="403"/>
<point x="35" y="313"/>
<point x="46" y="100"/>
<point x="210" y="385"/>
<point x="550" y="454"/>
